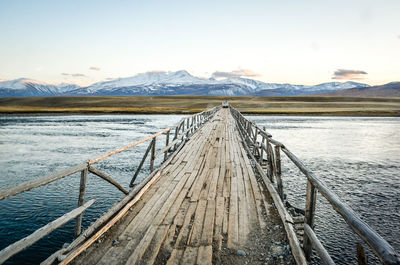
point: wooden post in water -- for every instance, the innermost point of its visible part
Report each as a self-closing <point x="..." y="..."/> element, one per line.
<point x="166" y="144"/>
<point x="81" y="200"/>
<point x="278" y="171"/>
<point x="311" y="199"/>
<point x="153" y="152"/>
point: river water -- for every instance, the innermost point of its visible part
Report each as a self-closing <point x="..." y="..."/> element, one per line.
<point x="358" y="158"/>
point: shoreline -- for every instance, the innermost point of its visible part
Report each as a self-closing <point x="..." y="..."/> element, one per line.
<point x="164" y="105"/>
<point x="257" y="113"/>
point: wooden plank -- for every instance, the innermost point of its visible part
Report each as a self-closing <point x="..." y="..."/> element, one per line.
<point x="204" y="256"/>
<point x="208" y="227"/>
<point x="233" y="225"/>
<point x="175" y="257"/>
<point x="24" y="243"/>
<point x="180" y="216"/>
<point x="182" y="238"/>
<point x="142" y="246"/>
<point x="189" y="255"/>
<point x="219" y="217"/>
<point x="197" y="227"/>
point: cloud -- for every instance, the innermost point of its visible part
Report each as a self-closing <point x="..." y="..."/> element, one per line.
<point x="349" y="74"/>
<point x="235" y="73"/>
<point x="74" y="75"/>
<point x="94" y="68"/>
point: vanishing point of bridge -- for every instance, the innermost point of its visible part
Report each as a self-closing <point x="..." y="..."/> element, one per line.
<point x="217" y="198"/>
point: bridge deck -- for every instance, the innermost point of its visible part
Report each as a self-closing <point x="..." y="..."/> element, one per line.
<point x="205" y="205"/>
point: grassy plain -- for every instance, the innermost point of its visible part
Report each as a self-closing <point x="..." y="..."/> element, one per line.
<point x="309" y="105"/>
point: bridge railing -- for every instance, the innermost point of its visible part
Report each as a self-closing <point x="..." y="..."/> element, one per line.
<point x="263" y="145"/>
<point x="179" y="133"/>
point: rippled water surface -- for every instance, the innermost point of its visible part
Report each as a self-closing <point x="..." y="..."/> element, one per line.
<point x="31" y="147"/>
<point x="358" y="158"/>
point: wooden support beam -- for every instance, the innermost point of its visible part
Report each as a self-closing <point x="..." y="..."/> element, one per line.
<point x="81" y="200"/>
<point x="140" y="165"/>
<point x="107" y="178"/>
<point x="26" y="242"/>
<point x="319" y="248"/>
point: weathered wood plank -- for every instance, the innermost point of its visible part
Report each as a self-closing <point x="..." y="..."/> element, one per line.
<point x="31" y="184"/>
<point x="24" y="243"/>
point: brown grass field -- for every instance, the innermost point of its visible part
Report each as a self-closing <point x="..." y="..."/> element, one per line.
<point x="308" y="105"/>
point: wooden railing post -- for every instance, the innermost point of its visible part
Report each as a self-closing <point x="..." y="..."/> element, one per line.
<point x="270" y="161"/>
<point x="278" y="171"/>
<point x="153" y="152"/>
<point x="176" y="135"/>
<point x="81" y="200"/>
<point x="261" y="158"/>
<point x="311" y="199"/>
<point x="166" y="144"/>
<point x="255" y="141"/>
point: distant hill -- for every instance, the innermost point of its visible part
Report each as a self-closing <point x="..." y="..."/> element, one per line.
<point x="388" y="90"/>
<point x="168" y="83"/>
<point x="290" y="90"/>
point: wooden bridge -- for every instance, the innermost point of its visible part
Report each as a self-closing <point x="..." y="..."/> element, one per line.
<point x="217" y="197"/>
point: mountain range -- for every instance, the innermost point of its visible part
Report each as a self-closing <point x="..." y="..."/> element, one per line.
<point x="170" y="83"/>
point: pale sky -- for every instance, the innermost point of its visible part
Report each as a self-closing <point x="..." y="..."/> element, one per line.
<point x="300" y="42"/>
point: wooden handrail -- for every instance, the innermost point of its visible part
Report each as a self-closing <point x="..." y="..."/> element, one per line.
<point x="22" y="244"/>
<point x="31" y="184"/>
<point x="378" y="245"/>
<point x="91" y="162"/>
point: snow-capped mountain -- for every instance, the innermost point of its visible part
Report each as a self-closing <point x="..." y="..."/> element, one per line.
<point x="168" y="83"/>
<point x="24" y="87"/>
<point x="297" y="90"/>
